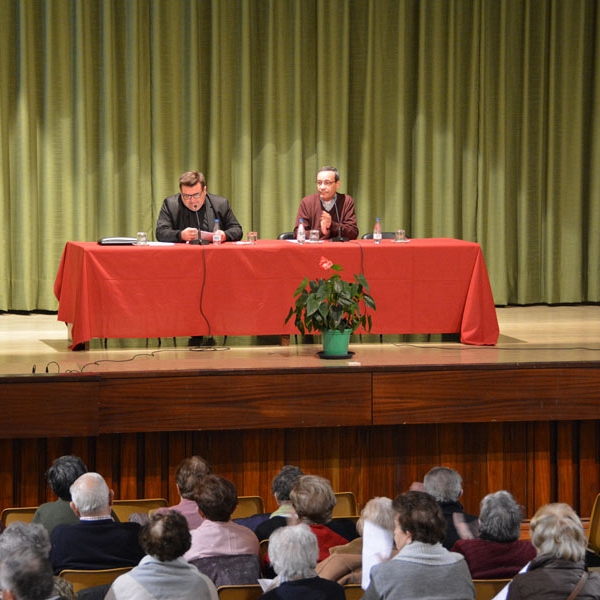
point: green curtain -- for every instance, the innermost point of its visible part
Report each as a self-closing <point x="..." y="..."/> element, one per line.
<point x="474" y="119"/>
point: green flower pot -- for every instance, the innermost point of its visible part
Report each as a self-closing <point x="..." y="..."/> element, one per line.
<point x="335" y="343"/>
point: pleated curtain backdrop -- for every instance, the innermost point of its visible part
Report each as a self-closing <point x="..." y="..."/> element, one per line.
<point x="474" y="119"/>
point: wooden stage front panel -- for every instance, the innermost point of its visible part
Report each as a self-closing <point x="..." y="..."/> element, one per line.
<point x="531" y="429"/>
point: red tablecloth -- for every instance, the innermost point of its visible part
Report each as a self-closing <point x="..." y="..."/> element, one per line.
<point x="424" y="286"/>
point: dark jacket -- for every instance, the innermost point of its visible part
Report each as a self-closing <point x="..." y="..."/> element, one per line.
<point x="453" y="514"/>
<point x="175" y="216"/>
<point x="100" y="544"/>
<point x="547" y="578"/>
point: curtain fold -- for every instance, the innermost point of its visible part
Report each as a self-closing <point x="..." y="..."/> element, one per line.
<point x="477" y="120"/>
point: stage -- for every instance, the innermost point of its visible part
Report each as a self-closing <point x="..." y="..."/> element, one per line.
<point x="532" y="334"/>
<point x="521" y="415"/>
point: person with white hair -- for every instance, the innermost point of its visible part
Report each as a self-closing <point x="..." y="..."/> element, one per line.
<point x="96" y="542"/>
<point x="21" y="538"/>
<point x="294" y="551"/>
<point x="498" y="552"/>
<point x="445" y="485"/>
<point x="27" y="575"/>
<point x="352" y="562"/>
<point x="559" y="567"/>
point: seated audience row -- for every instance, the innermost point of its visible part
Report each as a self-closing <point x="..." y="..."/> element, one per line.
<point x="422" y="543"/>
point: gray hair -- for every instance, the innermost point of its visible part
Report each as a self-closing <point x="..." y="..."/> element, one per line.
<point x="283" y="482"/>
<point x="294" y="552"/>
<point x="443" y="483"/>
<point x="500" y="517"/>
<point x="336" y="173"/>
<point x="28" y="575"/>
<point x="313" y="499"/>
<point x="556" y="531"/>
<point x="91" y="495"/>
<point x="378" y="510"/>
<point x="19" y="536"/>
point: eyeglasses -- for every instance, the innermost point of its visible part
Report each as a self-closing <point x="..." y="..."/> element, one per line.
<point x="190" y="196"/>
<point x="326" y="182"/>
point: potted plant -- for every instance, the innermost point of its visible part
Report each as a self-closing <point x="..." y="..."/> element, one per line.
<point x="332" y="306"/>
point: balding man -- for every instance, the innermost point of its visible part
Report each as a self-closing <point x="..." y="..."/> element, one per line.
<point x="96" y="542"/>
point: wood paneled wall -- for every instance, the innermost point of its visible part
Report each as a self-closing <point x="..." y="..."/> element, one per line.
<point x="538" y="462"/>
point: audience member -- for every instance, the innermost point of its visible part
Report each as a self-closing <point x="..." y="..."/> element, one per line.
<point x="163" y="574"/>
<point x="190" y="215"/>
<point x="27" y="575"/>
<point x="423" y="568"/>
<point x="96" y="542"/>
<point x="331" y="213"/>
<point x="61" y="475"/>
<point x="217" y="535"/>
<point x="281" y="486"/>
<point x="445" y="485"/>
<point x="352" y="562"/>
<point x="21" y="537"/>
<point x="559" y="567"/>
<point x="313" y="500"/>
<point x="498" y="552"/>
<point x="190" y="472"/>
<point x="294" y="551"/>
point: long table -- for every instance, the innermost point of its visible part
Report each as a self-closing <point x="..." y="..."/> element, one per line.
<point x="424" y="286"/>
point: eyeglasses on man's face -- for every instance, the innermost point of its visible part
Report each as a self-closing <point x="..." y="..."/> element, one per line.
<point x="195" y="196"/>
<point x="325" y="182"/>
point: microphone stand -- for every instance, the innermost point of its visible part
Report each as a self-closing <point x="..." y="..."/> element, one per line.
<point x="199" y="241"/>
<point x="338" y="237"/>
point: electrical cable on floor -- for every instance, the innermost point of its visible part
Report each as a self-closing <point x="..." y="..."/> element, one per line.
<point x="152" y="354"/>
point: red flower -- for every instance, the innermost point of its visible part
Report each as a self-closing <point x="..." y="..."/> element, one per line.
<point x="325" y="263"/>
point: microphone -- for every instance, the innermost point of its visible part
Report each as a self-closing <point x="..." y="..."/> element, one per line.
<point x="338" y="237"/>
<point x="199" y="241"/>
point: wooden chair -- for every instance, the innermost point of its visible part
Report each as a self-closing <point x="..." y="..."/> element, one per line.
<point x="346" y="505"/>
<point x="90" y="578"/>
<point x="263" y="553"/>
<point x="594" y="528"/>
<point x="353" y="591"/>
<point x="248" y="506"/>
<point x="486" y="589"/>
<point x="240" y="592"/>
<point x="124" y="508"/>
<point x="18" y="514"/>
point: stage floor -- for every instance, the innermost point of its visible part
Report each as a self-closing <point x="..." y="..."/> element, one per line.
<point x="37" y="343"/>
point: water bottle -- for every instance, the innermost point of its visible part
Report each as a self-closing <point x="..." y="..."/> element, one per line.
<point x="216" y="233"/>
<point x="301" y="233"/>
<point x="377" y="231"/>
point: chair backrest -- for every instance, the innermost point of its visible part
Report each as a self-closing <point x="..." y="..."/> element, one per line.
<point x="240" y="592"/>
<point x="24" y="513"/>
<point x="237" y="569"/>
<point x="124" y="508"/>
<point x="385" y="235"/>
<point x="486" y="589"/>
<point x="286" y="235"/>
<point x="248" y="506"/>
<point x="91" y="578"/>
<point x="594" y="530"/>
<point x="345" y="505"/>
<point x="263" y="553"/>
<point x="353" y="591"/>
